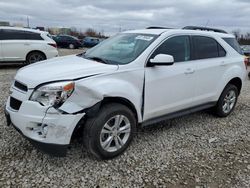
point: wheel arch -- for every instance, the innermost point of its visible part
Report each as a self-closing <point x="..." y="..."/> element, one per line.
<point x="237" y="82"/>
<point x="35" y="51"/>
<point x="93" y="110"/>
<point x="123" y="101"/>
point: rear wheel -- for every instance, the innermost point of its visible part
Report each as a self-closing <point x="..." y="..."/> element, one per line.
<point x="34" y="57"/>
<point x="71" y="46"/>
<point x="227" y="101"/>
<point x="110" y="132"/>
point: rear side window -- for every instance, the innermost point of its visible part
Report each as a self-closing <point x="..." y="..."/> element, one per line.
<point x="178" y="47"/>
<point x="206" y="47"/>
<point x="234" y="44"/>
<point x="9" y="34"/>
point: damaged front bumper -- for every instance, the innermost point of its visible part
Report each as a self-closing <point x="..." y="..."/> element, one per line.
<point x="46" y="128"/>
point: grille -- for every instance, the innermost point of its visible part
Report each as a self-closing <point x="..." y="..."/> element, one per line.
<point x="14" y="103"/>
<point x="20" y="86"/>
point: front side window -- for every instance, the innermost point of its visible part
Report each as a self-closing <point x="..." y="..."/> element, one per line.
<point x="206" y="47"/>
<point x="120" y="49"/>
<point x="178" y="47"/>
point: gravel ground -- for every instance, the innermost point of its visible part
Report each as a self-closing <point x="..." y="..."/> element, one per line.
<point x="197" y="150"/>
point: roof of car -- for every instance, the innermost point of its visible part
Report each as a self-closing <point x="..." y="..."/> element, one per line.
<point x="186" y="31"/>
<point x="23" y="29"/>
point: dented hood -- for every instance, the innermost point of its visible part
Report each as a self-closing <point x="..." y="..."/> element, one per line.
<point x="62" y="68"/>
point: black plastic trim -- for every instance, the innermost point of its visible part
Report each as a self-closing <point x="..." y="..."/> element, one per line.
<point x="204" y="29"/>
<point x="15" y="103"/>
<point x="20" y="86"/>
<point x="7" y="117"/>
<point x="178" y="113"/>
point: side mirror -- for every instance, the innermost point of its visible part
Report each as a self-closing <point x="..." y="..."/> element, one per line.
<point x="162" y="59"/>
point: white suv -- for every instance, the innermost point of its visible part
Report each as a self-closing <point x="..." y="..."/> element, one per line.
<point x="25" y="45"/>
<point x="133" y="79"/>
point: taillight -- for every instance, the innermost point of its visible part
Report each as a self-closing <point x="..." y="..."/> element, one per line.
<point x="246" y="61"/>
<point x="53" y="44"/>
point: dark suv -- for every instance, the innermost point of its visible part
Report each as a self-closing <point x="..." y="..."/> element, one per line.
<point x="67" y="41"/>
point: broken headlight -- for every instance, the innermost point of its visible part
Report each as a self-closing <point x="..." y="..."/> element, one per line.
<point x="54" y="94"/>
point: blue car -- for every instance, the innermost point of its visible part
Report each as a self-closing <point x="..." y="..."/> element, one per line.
<point x="91" y="41"/>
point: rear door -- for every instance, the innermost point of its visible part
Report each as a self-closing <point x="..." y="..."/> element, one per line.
<point x="210" y="65"/>
<point x="14" y="45"/>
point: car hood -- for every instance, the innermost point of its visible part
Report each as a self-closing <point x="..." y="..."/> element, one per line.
<point x="61" y="68"/>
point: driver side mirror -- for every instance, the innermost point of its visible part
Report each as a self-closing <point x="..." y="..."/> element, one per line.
<point x="162" y="59"/>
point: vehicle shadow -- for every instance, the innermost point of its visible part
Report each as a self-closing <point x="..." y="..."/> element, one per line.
<point x="11" y="65"/>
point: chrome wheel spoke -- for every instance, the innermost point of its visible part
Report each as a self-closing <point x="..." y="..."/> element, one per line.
<point x="107" y="127"/>
<point x="118" y="120"/>
<point x="107" y="142"/>
<point x="224" y="107"/>
<point x="228" y="107"/>
<point x="118" y="142"/>
<point x="232" y="101"/>
<point x="124" y="129"/>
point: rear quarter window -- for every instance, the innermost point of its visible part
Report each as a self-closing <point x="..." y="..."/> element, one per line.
<point x="234" y="44"/>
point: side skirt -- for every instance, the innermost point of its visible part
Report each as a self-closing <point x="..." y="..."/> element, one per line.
<point x="178" y="113"/>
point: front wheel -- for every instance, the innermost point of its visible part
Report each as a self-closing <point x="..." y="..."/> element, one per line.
<point x="227" y="101"/>
<point x="110" y="132"/>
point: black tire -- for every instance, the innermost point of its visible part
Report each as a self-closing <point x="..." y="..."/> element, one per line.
<point x="34" y="57"/>
<point x="71" y="46"/>
<point x="221" y="102"/>
<point x="93" y="127"/>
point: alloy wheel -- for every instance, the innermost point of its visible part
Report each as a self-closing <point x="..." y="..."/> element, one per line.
<point x="229" y="101"/>
<point x="115" y="133"/>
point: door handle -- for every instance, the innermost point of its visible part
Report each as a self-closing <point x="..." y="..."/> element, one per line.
<point x="189" y="71"/>
<point x="26" y="44"/>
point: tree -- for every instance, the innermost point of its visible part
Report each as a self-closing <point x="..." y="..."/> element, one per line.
<point x="236" y="33"/>
<point x="91" y="32"/>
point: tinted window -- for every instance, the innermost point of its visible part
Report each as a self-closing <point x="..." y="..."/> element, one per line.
<point x="178" y="47"/>
<point x="234" y="44"/>
<point x="9" y="34"/>
<point x="222" y="52"/>
<point x="1" y="34"/>
<point x="206" y="47"/>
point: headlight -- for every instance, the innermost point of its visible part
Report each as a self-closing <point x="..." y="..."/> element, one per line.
<point x="54" y="94"/>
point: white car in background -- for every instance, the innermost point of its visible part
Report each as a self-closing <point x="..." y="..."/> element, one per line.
<point x="25" y="45"/>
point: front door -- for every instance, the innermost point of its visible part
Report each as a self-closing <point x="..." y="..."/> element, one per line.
<point x="170" y="88"/>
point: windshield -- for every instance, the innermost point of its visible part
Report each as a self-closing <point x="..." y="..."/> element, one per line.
<point x="120" y="49"/>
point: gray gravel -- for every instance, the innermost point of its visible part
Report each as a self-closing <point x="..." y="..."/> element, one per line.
<point x="197" y="150"/>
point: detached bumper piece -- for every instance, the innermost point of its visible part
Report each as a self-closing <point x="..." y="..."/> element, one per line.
<point x="55" y="150"/>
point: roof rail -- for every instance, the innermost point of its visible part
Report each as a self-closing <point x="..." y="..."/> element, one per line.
<point x="156" y="27"/>
<point x="204" y="29"/>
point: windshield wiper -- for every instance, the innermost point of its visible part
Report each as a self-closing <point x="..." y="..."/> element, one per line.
<point x="99" y="59"/>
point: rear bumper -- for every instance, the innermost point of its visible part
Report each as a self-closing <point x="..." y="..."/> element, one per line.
<point x="51" y="53"/>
